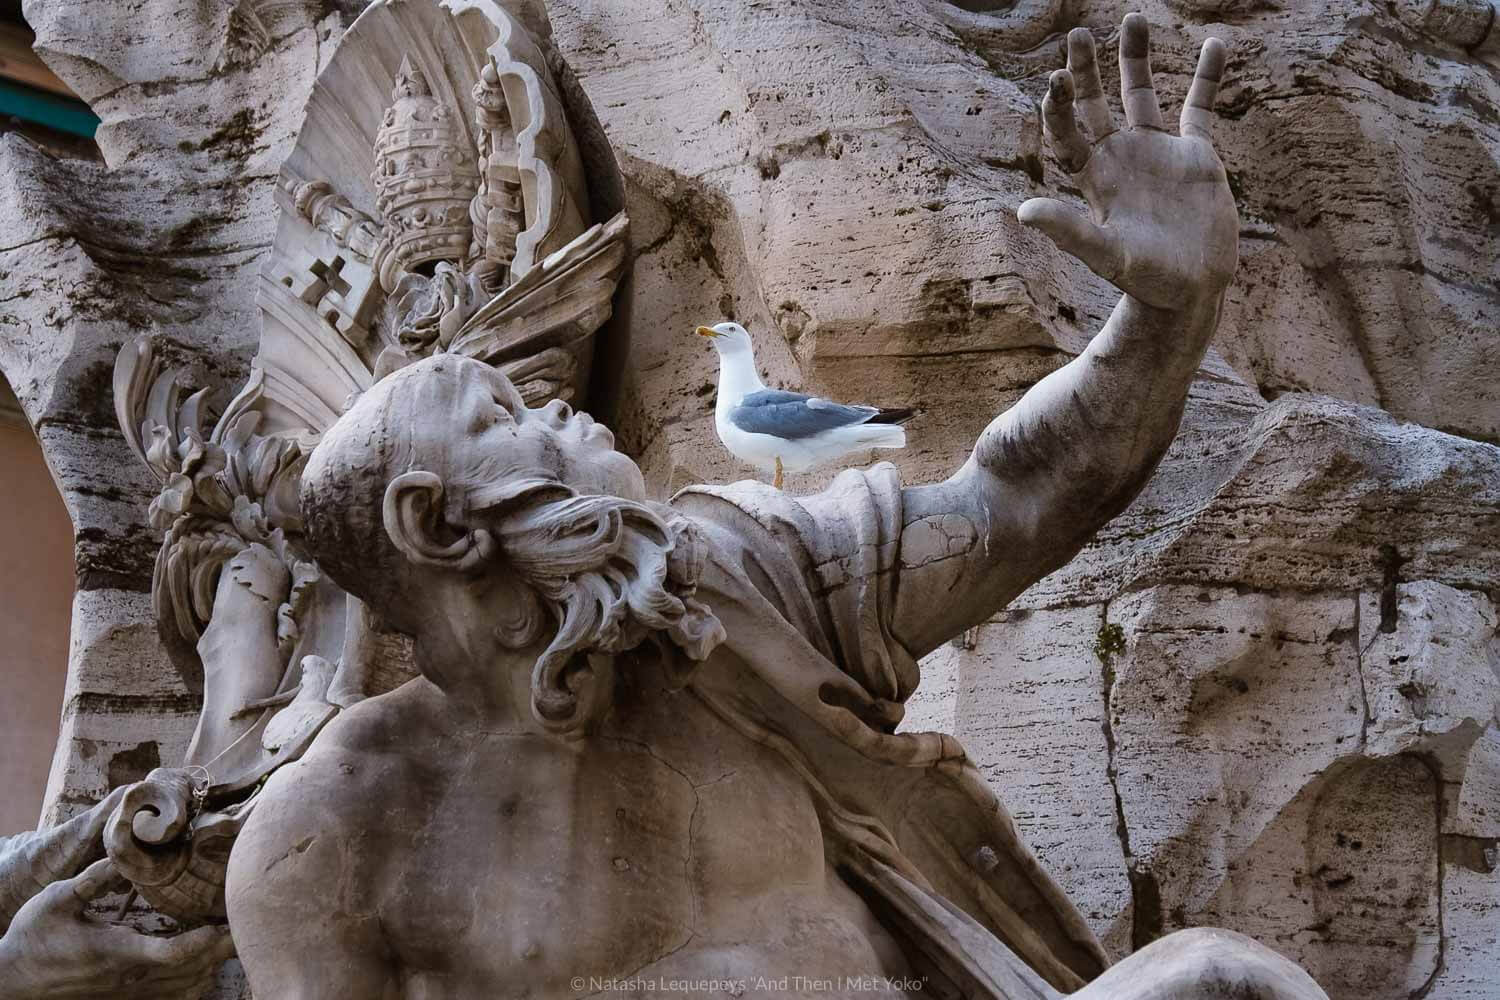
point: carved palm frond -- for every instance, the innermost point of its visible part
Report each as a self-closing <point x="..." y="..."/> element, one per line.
<point x="221" y="489"/>
<point x="539" y="330"/>
<point x="204" y="471"/>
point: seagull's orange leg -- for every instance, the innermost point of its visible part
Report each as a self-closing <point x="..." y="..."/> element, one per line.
<point x="777" y="483"/>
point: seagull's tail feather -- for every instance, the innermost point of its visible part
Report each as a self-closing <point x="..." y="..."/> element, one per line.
<point x="893" y="416"/>
<point x="873" y="435"/>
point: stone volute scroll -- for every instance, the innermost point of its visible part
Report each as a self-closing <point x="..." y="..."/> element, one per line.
<point x="435" y="202"/>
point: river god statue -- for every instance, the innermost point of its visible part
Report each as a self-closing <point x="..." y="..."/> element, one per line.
<point x="653" y="749"/>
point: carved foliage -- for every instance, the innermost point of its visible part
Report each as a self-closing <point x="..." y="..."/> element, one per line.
<point x="221" y="490"/>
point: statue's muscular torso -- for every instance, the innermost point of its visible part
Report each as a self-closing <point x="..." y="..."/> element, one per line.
<point x="479" y="862"/>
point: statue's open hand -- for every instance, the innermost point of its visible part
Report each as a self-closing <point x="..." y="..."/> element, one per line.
<point x="1164" y="228"/>
<point x="54" y="950"/>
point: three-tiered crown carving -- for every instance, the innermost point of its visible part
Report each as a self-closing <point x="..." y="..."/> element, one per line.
<point x="426" y="174"/>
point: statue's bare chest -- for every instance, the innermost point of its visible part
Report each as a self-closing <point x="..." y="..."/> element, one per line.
<point x="531" y="859"/>
<point x="536" y="863"/>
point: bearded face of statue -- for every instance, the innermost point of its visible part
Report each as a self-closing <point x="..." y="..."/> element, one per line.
<point x="463" y="424"/>
<point x="491" y="433"/>
<point x="449" y="507"/>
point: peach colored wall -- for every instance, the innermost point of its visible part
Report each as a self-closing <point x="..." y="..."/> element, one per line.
<point x="36" y="598"/>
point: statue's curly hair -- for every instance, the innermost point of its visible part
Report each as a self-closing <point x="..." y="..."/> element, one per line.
<point x="602" y="572"/>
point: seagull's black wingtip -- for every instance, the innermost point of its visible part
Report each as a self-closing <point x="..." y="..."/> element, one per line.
<point x="893" y="416"/>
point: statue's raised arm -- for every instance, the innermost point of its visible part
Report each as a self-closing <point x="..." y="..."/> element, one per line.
<point x="1073" y="453"/>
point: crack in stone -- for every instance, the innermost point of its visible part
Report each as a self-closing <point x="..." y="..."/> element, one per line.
<point x="687" y="863"/>
<point x="1145" y="893"/>
<point x="691" y="934"/>
<point x="1359" y="670"/>
<point x="300" y="847"/>
<point x="1442" y="954"/>
<point x="59" y="236"/>
<point x="651" y="752"/>
<point x="1391" y="562"/>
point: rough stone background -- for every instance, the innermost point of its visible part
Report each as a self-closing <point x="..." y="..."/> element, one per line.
<point x="1265" y="697"/>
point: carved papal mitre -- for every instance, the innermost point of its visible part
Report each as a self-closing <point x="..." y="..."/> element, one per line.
<point x="426" y="174"/>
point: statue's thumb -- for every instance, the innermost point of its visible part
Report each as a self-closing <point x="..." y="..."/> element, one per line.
<point x="1074" y="232"/>
<point x="97" y="880"/>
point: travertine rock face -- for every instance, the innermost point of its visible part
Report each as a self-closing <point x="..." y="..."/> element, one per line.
<point x="1291" y="733"/>
<point x="200" y="103"/>
<point x="865" y="160"/>
<point x="1296" y="736"/>
<point x="1295" y="727"/>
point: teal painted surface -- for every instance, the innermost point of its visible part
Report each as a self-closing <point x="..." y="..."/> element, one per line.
<point x="28" y="104"/>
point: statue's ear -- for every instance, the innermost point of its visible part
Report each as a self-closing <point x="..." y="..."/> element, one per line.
<point x="413" y="516"/>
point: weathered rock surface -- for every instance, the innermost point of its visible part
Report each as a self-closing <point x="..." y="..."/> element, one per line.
<point x="1295" y="734"/>
<point x="1291" y="732"/>
<point x="1305" y="596"/>
<point x="865" y="161"/>
<point x="199" y="105"/>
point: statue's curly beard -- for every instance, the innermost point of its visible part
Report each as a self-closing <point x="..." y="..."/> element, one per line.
<point x="607" y="573"/>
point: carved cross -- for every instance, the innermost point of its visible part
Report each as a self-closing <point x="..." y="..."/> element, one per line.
<point x="340" y="299"/>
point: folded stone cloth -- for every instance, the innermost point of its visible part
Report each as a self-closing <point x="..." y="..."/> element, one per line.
<point x="805" y="589"/>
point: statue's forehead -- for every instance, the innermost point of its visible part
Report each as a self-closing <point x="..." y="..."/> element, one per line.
<point x="438" y="374"/>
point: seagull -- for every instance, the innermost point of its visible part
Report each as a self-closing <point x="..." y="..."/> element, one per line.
<point x="780" y="431"/>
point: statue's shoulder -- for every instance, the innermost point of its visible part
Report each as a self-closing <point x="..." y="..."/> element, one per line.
<point x="736" y="506"/>
<point x="365" y="760"/>
<point x="856" y="506"/>
<point x="389" y="724"/>
<point x="365" y="765"/>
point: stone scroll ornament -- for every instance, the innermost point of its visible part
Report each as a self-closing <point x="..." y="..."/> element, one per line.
<point x="436" y="202"/>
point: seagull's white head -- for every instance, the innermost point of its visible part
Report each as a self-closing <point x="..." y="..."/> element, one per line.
<point x="727" y="338"/>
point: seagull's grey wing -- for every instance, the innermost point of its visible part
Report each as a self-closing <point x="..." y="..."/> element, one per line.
<point x="792" y="415"/>
<point x="768" y="397"/>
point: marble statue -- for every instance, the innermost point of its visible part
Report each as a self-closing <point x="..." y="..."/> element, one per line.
<point x="52" y="948"/>
<point x="631" y="746"/>
<point x="722" y="776"/>
<point x="436" y="202"/>
<point x="653" y="748"/>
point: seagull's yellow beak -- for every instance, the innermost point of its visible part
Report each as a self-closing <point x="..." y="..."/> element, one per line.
<point x="707" y="331"/>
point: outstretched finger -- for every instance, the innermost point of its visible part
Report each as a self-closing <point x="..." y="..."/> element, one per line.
<point x="1057" y="119"/>
<point x="98" y="879"/>
<point x="206" y="944"/>
<point x="1198" y="110"/>
<point x="1084" y="65"/>
<point x="1095" y="245"/>
<point x="1137" y="94"/>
